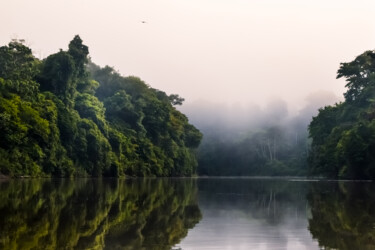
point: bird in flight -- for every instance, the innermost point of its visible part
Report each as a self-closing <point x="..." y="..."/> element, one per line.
<point x="143" y="21"/>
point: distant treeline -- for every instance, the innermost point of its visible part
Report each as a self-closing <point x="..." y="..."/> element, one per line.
<point x="65" y="116"/>
<point x="338" y="143"/>
<point x="274" y="150"/>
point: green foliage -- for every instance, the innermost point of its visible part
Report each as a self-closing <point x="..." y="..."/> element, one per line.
<point x="30" y="137"/>
<point x="88" y="86"/>
<point x="18" y="68"/>
<point x="17" y="62"/>
<point x="164" y="139"/>
<point x="79" y="53"/>
<point x="176" y="99"/>
<point x="343" y="135"/>
<point x="88" y="106"/>
<point x="360" y="77"/>
<point x="58" y="76"/>
<point x="64" y="116"/>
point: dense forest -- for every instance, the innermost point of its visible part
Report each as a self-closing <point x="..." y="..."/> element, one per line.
<point x="65" y="116"/>
<point x="343" y="135"/>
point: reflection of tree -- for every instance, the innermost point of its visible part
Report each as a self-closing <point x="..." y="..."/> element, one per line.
<point x="343" y="215"/>
<point x="270" y="200"/>
<point x="256" y="213"/>
<point x="96" y="214"/>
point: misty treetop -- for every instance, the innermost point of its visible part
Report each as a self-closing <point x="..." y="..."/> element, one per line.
<point x="341" y="144"/>
<point x="66" y="116"/>
<point x="272" y="151"/>
<point x="343" y="135"/>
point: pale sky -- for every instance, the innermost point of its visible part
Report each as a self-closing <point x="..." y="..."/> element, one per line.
<point x="229" y="51"/>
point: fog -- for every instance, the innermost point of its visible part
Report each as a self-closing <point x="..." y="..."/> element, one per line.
<point x="241" y="140"/>
<point x="237" y="119"/>
<point x="245" y="54"/>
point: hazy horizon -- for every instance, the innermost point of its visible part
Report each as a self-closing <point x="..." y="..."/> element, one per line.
<point x="230" y="52"/>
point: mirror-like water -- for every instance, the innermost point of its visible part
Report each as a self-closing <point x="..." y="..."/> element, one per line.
<point x="227" y="213"/>
<point x="251" y="214"/>
<point x="96" y="214"/>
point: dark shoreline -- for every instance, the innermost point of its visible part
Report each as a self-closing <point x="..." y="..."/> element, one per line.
<point x="289" y="178"/>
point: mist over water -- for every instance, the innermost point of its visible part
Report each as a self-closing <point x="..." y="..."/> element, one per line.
<point x="231" y="123"/>
<point x="237" y="117"/>
<point x="255" y="140"/>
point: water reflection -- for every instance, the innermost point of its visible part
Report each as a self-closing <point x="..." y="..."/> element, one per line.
<point x="96" y="214"/>
<point x="164" y="214"/>
<point x="343" y="215"/>
<point x="251" y="214"/>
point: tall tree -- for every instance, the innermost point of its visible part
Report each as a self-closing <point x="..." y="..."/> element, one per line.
<point x="344" y="134"/>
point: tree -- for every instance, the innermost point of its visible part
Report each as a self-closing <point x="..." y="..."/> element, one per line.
<point x="58" y="77"/>
<point x="79" y="53"/>
<point x="57" y="118"/>
<point x="17" y="62"/>
<point x="18" y="68"/>
<point x="176" y="99"/>
<point x="360" y="75"/>
<point x="343" y="134"/>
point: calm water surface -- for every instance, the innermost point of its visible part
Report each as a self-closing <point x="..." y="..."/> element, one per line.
<point x="206" y="213"/>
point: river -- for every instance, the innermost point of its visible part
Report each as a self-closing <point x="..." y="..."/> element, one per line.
<point x="186" y="213"/>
